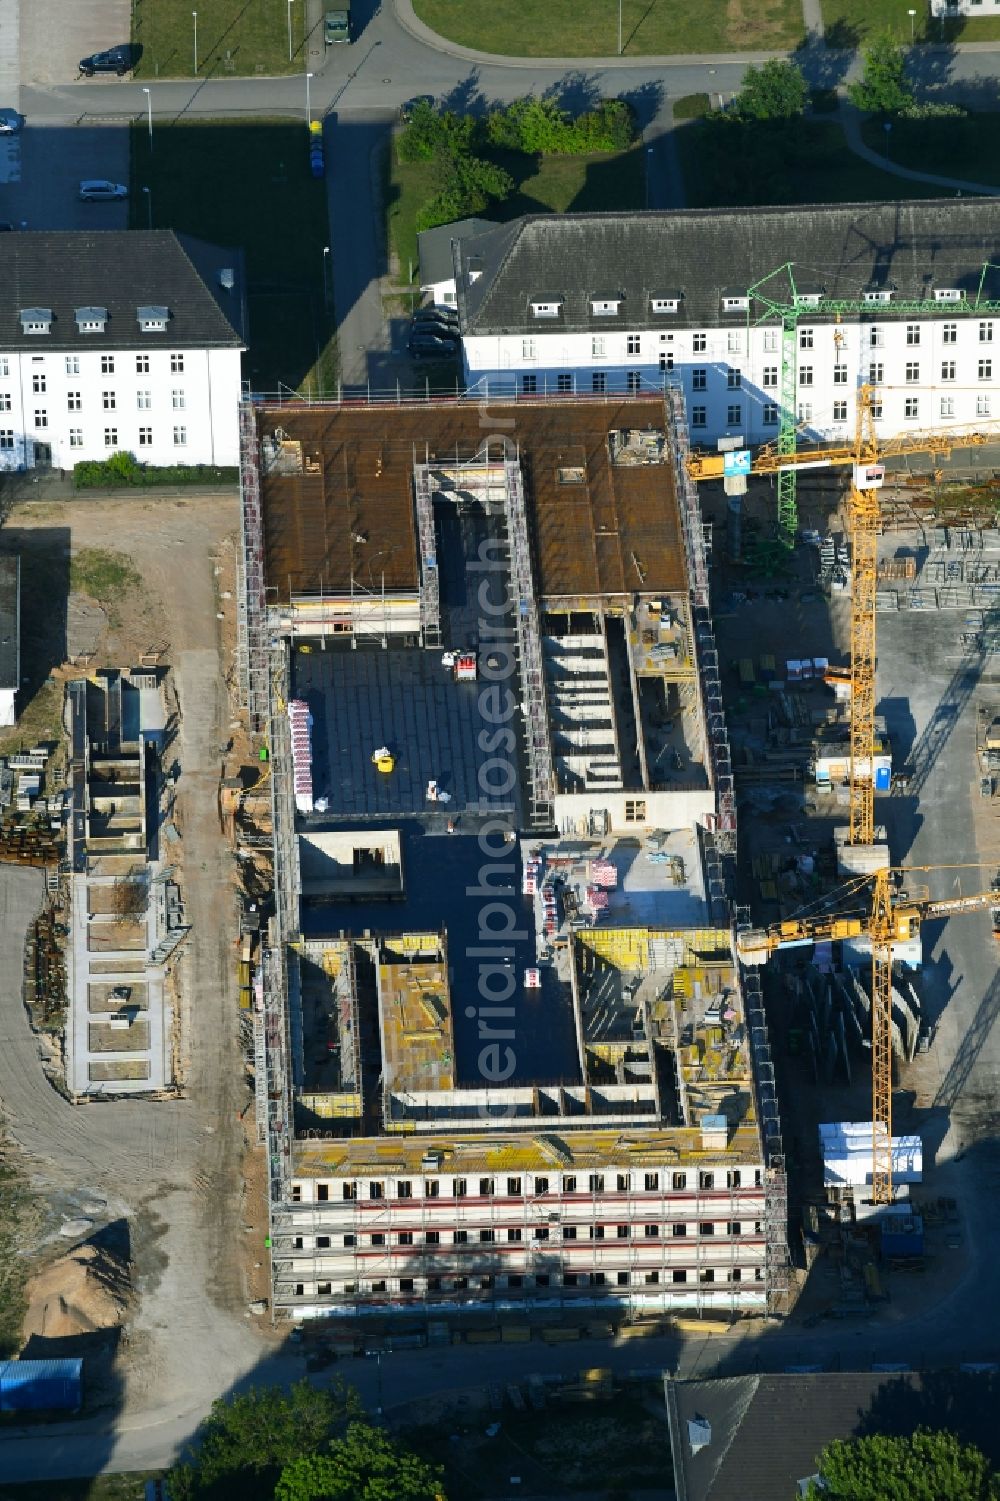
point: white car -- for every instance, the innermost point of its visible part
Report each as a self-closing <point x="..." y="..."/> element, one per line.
<point x="10" y="122"/>
<point x="99" y="190"/>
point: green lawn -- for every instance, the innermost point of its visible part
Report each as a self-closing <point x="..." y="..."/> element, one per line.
<point x="849" y="22"/>
<point x="549" y="184"/>
<point x="807" y="162"/>
<point x="234" y="36"/>
<point x="968" y="148"/>
<point x="247" y="184"/>
<point x="589" y="28"/>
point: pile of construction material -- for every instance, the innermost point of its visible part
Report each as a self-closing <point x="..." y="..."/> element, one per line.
<point x="846" y="1147"/>
<point x="300" y="721"/>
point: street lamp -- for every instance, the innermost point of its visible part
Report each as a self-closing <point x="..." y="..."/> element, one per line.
<point x="149" y="207"/>
<point x="619" y="28"/>
<point x="326" y="284"/>
<point x="290" y="2"/>
<point x="912" y="15"/>
<point x="887" y="127"/>
<point x="149" y="117"/>
<point x="194" y="17"/>
<point x="309" y="115"/>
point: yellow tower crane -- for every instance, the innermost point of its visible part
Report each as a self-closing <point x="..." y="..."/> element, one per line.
<point x="892" y="916"/>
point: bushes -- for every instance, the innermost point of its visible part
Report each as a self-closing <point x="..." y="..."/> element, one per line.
<point x="539" y="126"/>
<point x="467" y="185"/>
<point x="123" y="470"/>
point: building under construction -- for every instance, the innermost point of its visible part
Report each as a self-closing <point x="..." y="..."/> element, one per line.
<point x="505" y="1057"/>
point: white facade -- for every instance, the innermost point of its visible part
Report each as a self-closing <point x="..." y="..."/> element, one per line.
<point x="932" y="372"/>
<point x="167" y="405"/>
<point x="967" y="9"/>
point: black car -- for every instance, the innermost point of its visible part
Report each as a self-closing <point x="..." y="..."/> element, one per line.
<point x="442" y="317"/>
<point x="116" y="60"/>
<point x="438" y="326"/>
<point x="431" y="346"/>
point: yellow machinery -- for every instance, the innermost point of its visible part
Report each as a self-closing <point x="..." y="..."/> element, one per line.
<point x="383" y="760"/>
<point x="891" y="916"/>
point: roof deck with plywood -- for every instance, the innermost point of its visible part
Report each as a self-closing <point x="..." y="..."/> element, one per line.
<point x="418" y="1044"/>
<point x="337" y="492"/>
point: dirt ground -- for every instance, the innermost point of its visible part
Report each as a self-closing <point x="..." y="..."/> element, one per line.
<point x="105" y="583"/>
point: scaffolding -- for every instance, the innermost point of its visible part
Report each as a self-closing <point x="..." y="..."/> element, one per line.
<point x="769" y="1123"/>
<point x="252" y="599"/>
<point x="541" y="776"/>
<point x="430" y="593"/>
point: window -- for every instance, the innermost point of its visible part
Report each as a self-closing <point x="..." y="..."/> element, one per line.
<point x="35" y="326"/>
<point x="947" y="369"/>
<point x="72" y="364"/>
<point x="406" y="1284"/>
<point x="378" y="1238"/>
<point x="142" y="364"/>
<point x="541" y="1185"/>
<point x="485" y="1283"/>
<point x="604" y="307"/>
<point x="296" y="1193"/>
<point x="699" y="343"/>
<point x="515" y="1280"/>
<point x="405" y="1238"/>
<point x="734" y="1227"/>
<point x="597" y="1232"/>
<point x="623" y="1279"/>
<point x="541" y="1279"/>
<point x="840" y="411"/>
<point x="378" y="1287"/>
<point x="144" y="400"/>
<point x="432" y="1188"/>
<point x="6" y="437"/>
<point x="947" y="406"/>
<point x="108" y="400"/>
<point x="569" y="1183"/>
<point x="680" y="1182"/>
<point x="180" y="437"/>
<point x="805" y="338"/>
<point x="707" y="1274"/>
<point x="635" y="808"/>
<point x="770" y="341"/>
<point x="177" y="400"/>
<point x="840" y="375"/>
<point x="805" y="412"/>
<point x="569" y="1233"/>
<point x="433" y="1284"/>
<point x="876" y="338"/>
<point x="107" y="364"/>
<point x="912" y="373"/>
<point x="350" y="1192"/>
<point x="514" y="1235"/>
<point x="734" y="380"/>
<point x="879" y="296"/>
<point x="529" y="349"/>
<point x="633" y="344"/>
<point x="770" y="414"/>
<point x="514" y="1188"/>
<point x="42" y="418"/>
<point x="38" y="382"/>
<point x="633" y="381"/>
<point x="735" y="304"/>
<point x="734" y="1178"/>
<point x="376" y="1191"/>
<point x="651" y="1279"/>
<point x="706" y="1228"/>
<point x="706" y="1180"/>
<point x="911" y="408"/>
<point x="983" y="405"/>
<point x="651" y="1232"/>
<point x="5" y="366"/>
<point x="596" y="1183"/>
<point x="947" y="294"/>
<point x="541" y="1232"/>
<point x="664" y="304"/>
<point x="432" y="1238"/>
<point x="322" y="1243"/>
<point x="770" y="377"/>
<point x="461" y="1188"/>
<point x="913" y="334"/>
<point x="74" y="400"/>
<point x="546" y="310"/>
<point x="460" y="1238"/>
<point x="699" y="379"/>
<point x="679" y="1230"/>
<point x="949" y="333"/>
<point x="734" y="341"/>
<point x="986" y="333"/>
<point x="736" y="1275"/>
<point x="145" y="437"/>
<point x="564" y="383"/>
<point x="4" y="401"/>
<point x="529" y="385"/>
<point x="680" y="1276"/>
<point x="487" y="1237"/>
<point x="485" y="1187"/>
<point x="805" y="375"/>
<point x="324" y="1288"/>
<point x="598" y="347"/>
<point x="876" y="373"/>
<point x="111" y="437"/>
<point x="176" y="364"/>
<point x="876" y="411"/>
<point x="666" y="359"/>
<point x="570" y="1279"/>
<point x="734" y="416"/>
<point x="985" y="369"/>
<point x="76" y="437"/>
<point x="350" y="1240"/>
<point x="598" y="382"/>
<point x="623" y="1232"/>
<point x="651" y="1182"/>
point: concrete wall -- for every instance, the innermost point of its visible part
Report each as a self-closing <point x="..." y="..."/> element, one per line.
<point x="662" y="810"/>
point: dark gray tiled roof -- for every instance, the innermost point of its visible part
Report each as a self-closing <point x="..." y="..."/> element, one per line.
<point x="434" y="247"/>
<point x="120" y="270"/>
<point x="843" y="249"/>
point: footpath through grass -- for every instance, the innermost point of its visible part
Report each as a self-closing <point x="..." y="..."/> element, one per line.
<point x="967" y="147"/>
<point x="589" y="28"/>
<point x="543" y="184"/>
<point x="850" y="22"/>
<point x="246" y="184"/>
<point x="234" y="37"/>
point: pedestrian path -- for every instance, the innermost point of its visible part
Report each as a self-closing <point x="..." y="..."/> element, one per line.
<point x="851" y="124"/>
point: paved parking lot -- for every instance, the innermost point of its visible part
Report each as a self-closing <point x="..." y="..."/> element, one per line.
<point x="52" y="160"/>
<point x="55" y="35"/>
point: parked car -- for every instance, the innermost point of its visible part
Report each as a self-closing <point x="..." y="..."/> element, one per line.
<point x="10" y="122"/>
<point x="440" y="326"/>
<point x="99" y="190"/>
<point x="432" y="346"/>
<point x="448" y="317"/>
<point x="115" y="60"/>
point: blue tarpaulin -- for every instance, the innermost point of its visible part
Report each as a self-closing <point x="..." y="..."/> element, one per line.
<point x="41" y="1385"/>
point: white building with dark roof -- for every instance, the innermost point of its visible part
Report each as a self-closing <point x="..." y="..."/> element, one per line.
<point x="904" y="297"/>
<point x="119" y="340"/>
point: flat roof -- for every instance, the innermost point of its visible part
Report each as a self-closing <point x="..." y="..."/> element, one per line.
<point x="337" y="492"/>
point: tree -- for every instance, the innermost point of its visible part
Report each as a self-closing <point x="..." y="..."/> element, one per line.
<point x="258" y="1431"/>
<point x="364" y="1465"/>
<point x="884" y="88"/>
<point x="430" y="132"/>
<point x="775" y="91"/>
<point x="926" y="1466"/>
<point x="467" y="184"/>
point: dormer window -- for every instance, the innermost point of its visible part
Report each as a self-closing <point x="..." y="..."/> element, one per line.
<point x="153" y="319"/>
<point x="605" y="307"/>
<point x="947" y="294"/>
<point x="735" y="304"/>
<point x="665" y="304"/>
<point x="91" y="320"/>
<point x="36" y="320"/>
<point x="881" y="295"/>
<point x="807" y="299"/>
<point x="549" y="308"/>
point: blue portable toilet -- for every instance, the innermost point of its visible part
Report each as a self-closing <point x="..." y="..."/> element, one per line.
<point x="883" y="778"/>
<point x="41" y="1385"/>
